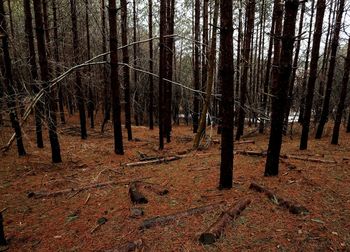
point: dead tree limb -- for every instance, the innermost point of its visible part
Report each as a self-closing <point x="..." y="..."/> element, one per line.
<point x="163" y="220"/>
<point x="214" y="232"/>
<point x="216" y="141"/>
<point x="44" y="194"/>
<point x="135" y="195"/>
<point x="155" y="161"/>
<point x="292" y="207"/>
<point x="264" y="154"/>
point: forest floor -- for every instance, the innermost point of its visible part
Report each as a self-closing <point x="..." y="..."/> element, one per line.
<point x="67" y="222"/>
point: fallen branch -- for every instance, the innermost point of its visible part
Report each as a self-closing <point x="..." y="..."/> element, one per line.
<point x="44" y="194"/>
<point x="163" y="220"/>
<point x="292" y="207"/>
<point x="217" y="141"/>
<point x="264" y="154"/>
<point x="135" y="195"/>
<point x="309" y="159"/>
<point x="245" y="142"/>
<point x="215" y="231"/>
<point x="251" y="153"/>
<point x="155" y="161"/>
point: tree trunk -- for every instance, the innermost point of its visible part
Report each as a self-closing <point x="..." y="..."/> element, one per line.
<point x="38" y="111"/>
<point x="196" y="77"/>
<point x="343" y="93"/>
<point x="250" y="13"/>
<point x="136" y="94"/>
<point x="126" y="70"/>
<point x="151" y="87"/>
<point x="321" y="6"/>
<point x="324" y="67"/>
<point x="239" y="49"/>
<point x="44" y="70"/>
<point x="268" y="64"/>
<point x="106" y="88"/>
<point x="6" y="70"/>
<point x="226" y="72"/>
<point x="162" y="69"/>
<point x="304" y="83"/>
<point x="280" y="88"/>
<point x="169" y="67"/>
<point x="79" y="86"/>
<point x="90" y="103"/>
<point x="330" y="78"/>
<point x="12" y="29"/>
<point x="210" y="81"/>
<point x="57" y="59"/>
<point x="115" y="86"/>
<point x="295" y="67"/>
<point x="348" y="125"/>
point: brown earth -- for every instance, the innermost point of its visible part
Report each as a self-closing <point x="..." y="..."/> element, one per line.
<point x="64" y="223"/>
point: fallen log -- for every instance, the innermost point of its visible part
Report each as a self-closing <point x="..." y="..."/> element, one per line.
<point x="215" y="231"/>
<point x="154" y="161"/>
<point x="163" y="220"/>
<point x="292" y="207"/>
<point x="135" y="195"/>
<point x="264" y="154"/>
<point x="245" y="142"/>
<point x="317" y="160"/>
<point x="251" y="153"/>
<point x="43" y="194"/>
<point x="131" y="246"/>
<point x="217" y="141"/>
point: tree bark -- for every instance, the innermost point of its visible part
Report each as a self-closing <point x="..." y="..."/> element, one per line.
<point x="6" y="70"/>
<point x="106" y="88"/>
<point x="90" y="103"/>
<point x="151" y="86"/>
<point x="79" y="86"/>
<point x="215" y="231"/>
<point x="115" y="86"/>
<point x="57" y="58"/>
<point x="250" y="13"/>
<point x="196" y="74"/>
<point x="295" y="67"/>
<point x="268" y="63"/>
<point x="163" y="220"/>
<point x="292" y="207"/>
<point x="210" y="81"/>
<point x="226" y="72"/>
<point x="136" y="91"/>
<point x="332" y="63"/>
<point x="280" y="88"/>
<point x="162" y="70"/>
<point x="44" y="70"/>
<point x="38" y="110"/>
<point x="135" y="195"/>
<point x="169" y="68"/>
<point x="321" y="6"/>
<point x="306" y="67"/>
<point x="126" y="70"/>
<point x="343" y="93"/>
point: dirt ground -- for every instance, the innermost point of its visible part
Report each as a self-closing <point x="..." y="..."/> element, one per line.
<point x="65" y="222"/>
